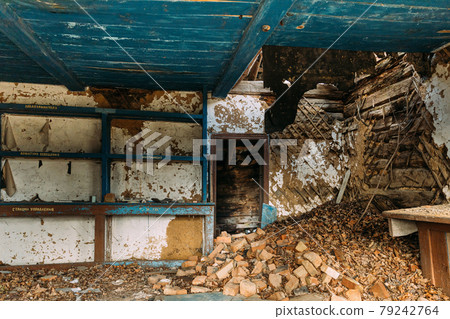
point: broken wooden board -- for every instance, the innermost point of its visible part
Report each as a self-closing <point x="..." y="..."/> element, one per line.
<point x="432" y="214"/>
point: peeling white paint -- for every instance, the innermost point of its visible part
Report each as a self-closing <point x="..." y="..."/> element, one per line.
<point x="437" y="100"/>
<point x="312" y="164"/>
<point x="181" y="135"/>
<point x="32" y="240"/>
<point x="146" y="240"/>
<point x="64" y="134"/>
<point x="176" y="181"/>
<point x="52" y="182"/>
<point x="43" y="94"/>
<point x="174" y="101"/>
<point x="236" y="114"/>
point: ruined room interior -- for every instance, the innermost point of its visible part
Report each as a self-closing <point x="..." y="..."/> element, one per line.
<point x="217" y="150"/>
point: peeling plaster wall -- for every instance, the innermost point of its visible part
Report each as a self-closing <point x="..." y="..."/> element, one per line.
<point x="30" y="240"/>
<point x="25" y="93"/>
<point x="64" y="134"/>
<point x="176" y="181"/>
<point x="172" y="101"/>
<point x="146" y="241"/>
<point x="154" y="237"/>
<point x="236" y="114"/>
<point x="51" y="180"/>
<point x="26" y="241"/>
<point x="437" y="100"/>
<point x="311" y="165"/>
<point x="181" y="135"/>
<point x="313" y="170"/>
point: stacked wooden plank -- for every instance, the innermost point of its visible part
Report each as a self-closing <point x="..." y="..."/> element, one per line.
<point x="400" y="159"/>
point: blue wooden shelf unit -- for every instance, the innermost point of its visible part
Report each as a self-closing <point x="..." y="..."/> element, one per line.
<point x="101" y="210"/>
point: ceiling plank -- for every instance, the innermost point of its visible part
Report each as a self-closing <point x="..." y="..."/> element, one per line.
<point x="24" y="38"/>
<point x="269" y="13"/>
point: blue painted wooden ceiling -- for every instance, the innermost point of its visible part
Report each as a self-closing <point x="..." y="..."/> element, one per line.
<point x="191" y="44"/>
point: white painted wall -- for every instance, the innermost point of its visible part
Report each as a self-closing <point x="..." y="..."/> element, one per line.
<point x="72" y="135"/>
<point x="26" y="93"/>
<point x="146" y="241"/>
<point x="236" y="114"/>
<point x="245" y="114"/>
<point x="437" y="100"/>
<point x="177" y="181"/>
<point x="52" y="181"/>
<point x="26" y="240"/>
<point x="181" y="135"/>
<point x="31" y="240"/>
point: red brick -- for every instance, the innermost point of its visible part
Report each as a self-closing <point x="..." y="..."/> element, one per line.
<point x="247" y="288"/>
<point x="379" y="290"/>
<point x="231" y="289"/>
<point x="353" y="295"/>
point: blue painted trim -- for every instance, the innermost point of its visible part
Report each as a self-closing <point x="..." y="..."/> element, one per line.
<point x="270" y="12"/>
<point x="52" y="110"/>
<point x="1" y="146"/>
<point x="148" y="263"/>
<point x="106" y="140"/>
<point x="112" y="209"/>
<point x="204" y="147"/>
<point x="49" y="154"/>
<point x="209" y="232"/>
<point x="268" y="215"/>
<point x="174" y="210"/>
<point x="157" y="157"/>
<point x="25" y="39"/>
<point x="89" y="205"/>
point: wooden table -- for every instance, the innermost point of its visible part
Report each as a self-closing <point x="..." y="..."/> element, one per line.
<point x="433" y="225"/>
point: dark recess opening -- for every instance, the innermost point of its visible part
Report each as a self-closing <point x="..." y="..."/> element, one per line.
<point x="238" y="196"/>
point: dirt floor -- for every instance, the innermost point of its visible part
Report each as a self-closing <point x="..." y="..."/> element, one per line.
<point x="366" y="254"/>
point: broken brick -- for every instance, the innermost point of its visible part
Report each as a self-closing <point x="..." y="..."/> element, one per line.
<point x="265" y="255"/>
<point x="301" y="247"/>
<point x="171" y="291"/>
<point x="238" y="245"/>
<point x="258" y="268"/>
<point x="310" y="268"/>
<point x="353" y="295"/>
<point x="291" y="284"/>
<point x="216" y="251"/>
<point x="199" y="280"/>
<point x="275" y="281"/>
<point x="231" y="289"/>
<point x="224" y="272"/>
<point x="258" y="245"/>
<point x="379" y="290"/>
<point x="251" y="237"/>
<point x="313" y="258"/>
<point x="247" y="288"/>
<point x="188" y="264"/>
<point x="351" y="283"/>
<point x="337" y="298"/>
<point x="301" y="272"/>
<point x="199" y="290"/>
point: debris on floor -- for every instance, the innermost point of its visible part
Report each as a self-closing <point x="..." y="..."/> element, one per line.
<point x="315" y="256"/>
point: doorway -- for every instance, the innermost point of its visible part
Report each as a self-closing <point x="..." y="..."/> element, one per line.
<point x="240" y="180"/>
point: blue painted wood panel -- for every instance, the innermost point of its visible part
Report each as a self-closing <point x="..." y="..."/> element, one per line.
<point x="189" y="45"/>
<point x="18" y="67"/>
<point x="410" y="26"/>
<point x="183" y="44"/>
